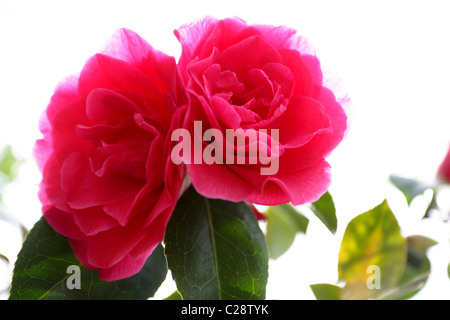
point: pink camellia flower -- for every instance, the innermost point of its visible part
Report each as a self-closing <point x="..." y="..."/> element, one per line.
<point x="109" y="184"/>
<point x="443" y="171"/>
<point x="263" y="84"/>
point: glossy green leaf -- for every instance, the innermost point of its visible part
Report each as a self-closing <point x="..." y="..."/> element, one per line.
<point x="283" y="223"/>
<point x="46" y="268"/>
<point x="325" y="210"/>
<point x="373" y="254"/>
<point x="410" y="188"/>
<point x="325" y="291"/>
<point x="216" y="250"/>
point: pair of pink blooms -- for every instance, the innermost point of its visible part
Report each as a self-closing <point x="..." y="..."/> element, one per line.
<point x="109" y="184"/>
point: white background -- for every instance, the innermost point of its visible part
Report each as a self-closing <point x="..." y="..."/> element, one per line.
<point x="392" y="59"/>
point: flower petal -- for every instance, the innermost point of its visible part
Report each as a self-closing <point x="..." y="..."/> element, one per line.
<point x="250" y="53"/>
<point x="205" y="180"/>
<point x="298" y="187"/>
<point x="303" y="119"/>
<point x="83" y="189"/>
<point x="102" y="71"/>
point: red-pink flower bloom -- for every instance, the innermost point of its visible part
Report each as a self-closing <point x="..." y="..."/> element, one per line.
<point x="443" y="172"/>
<point x="257" y="78"/>
<point x="109" y="184"/>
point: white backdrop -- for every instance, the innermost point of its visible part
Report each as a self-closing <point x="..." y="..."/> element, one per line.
<point x="392" y="58"/>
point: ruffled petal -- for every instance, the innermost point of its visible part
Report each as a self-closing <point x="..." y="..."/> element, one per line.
<point x="217" y="181"/>
<point x="303" y="119"/>
<point x="102" y="71"/>
<point x="83" y="189"/>
<point x="297" y="187"/>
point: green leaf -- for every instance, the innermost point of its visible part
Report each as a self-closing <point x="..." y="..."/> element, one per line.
<point x="41" y="272"/>
<point x="325" y="210"/>
<point x="216" y="250"/>
<point x="174" y="296"/>
<point x="417" y="269"/>
<point x="8" y="164"/>
<point x="410" y="188"/>
<point x="405" y="290"/>
<point x="420" y="244"/>
<point x="433" y="205"/>
<point x="283" y="223"/>
<point x="372" y="242"/>
<point x="325" y="291"/>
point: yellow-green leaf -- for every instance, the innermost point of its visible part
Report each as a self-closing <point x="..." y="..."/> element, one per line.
<point x="8" y="164"/>
<point x="373" y="254"/>
<point x="174" y="296"/>
<point x="325" y="291"/>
